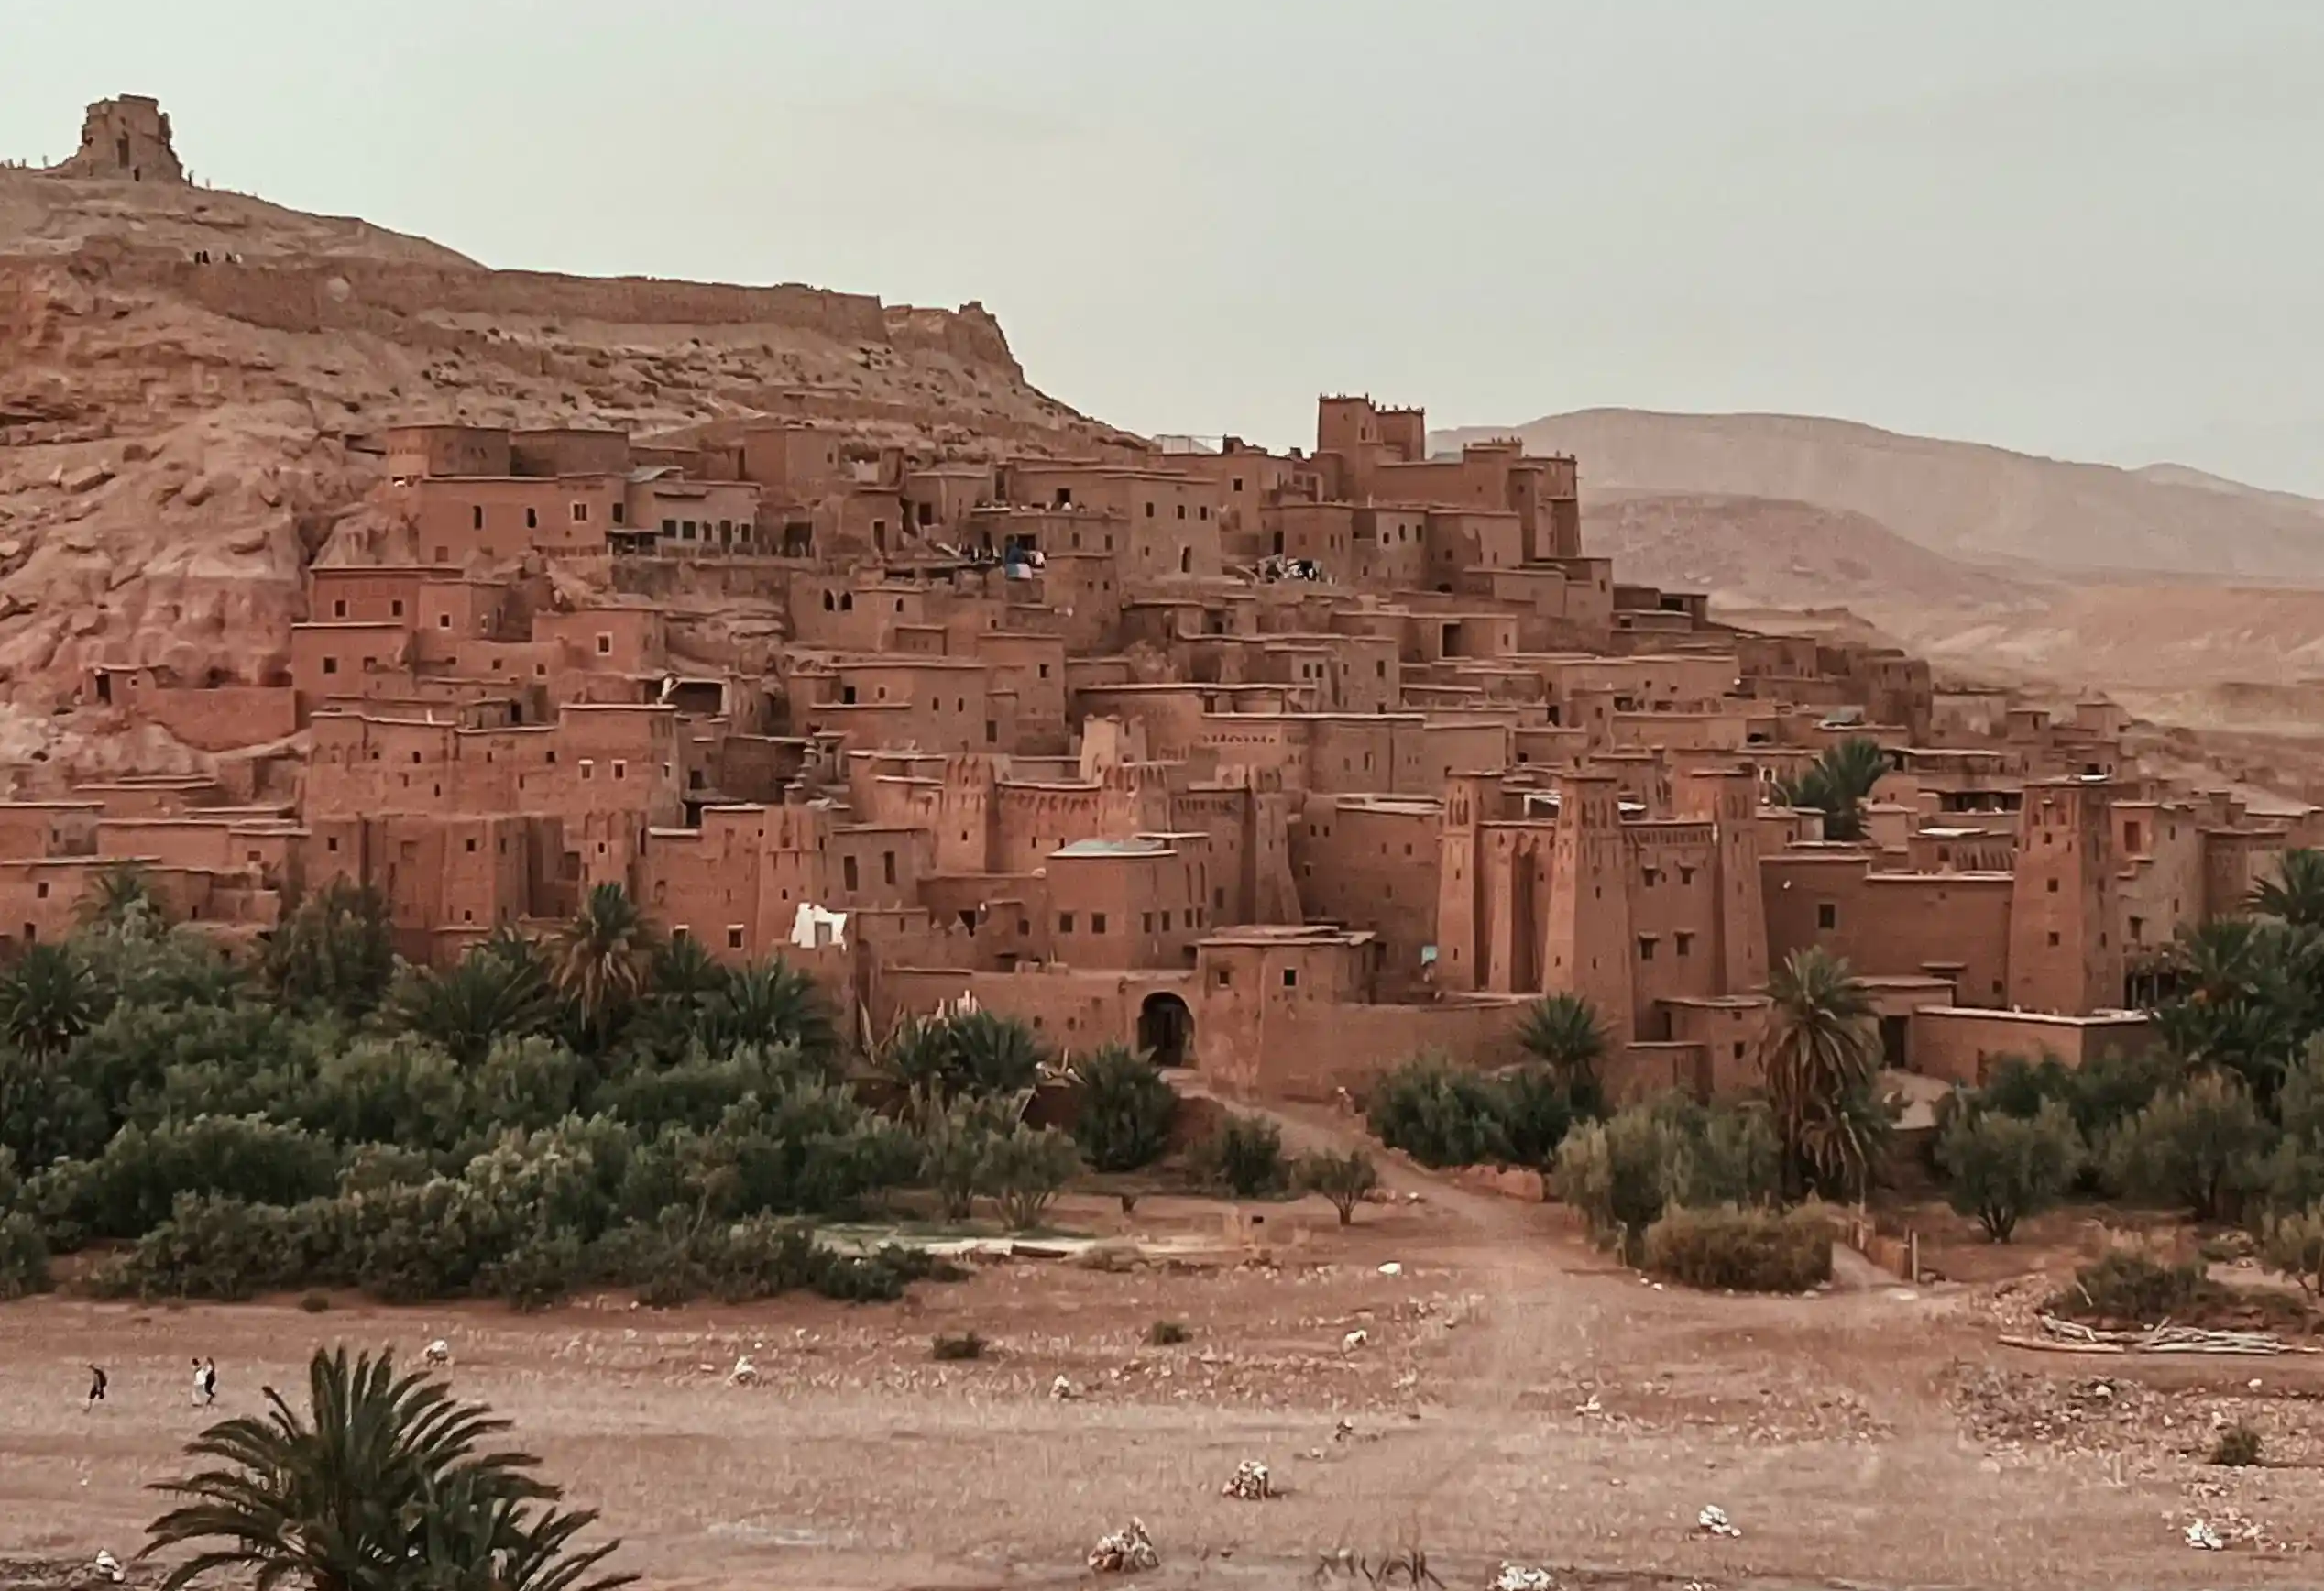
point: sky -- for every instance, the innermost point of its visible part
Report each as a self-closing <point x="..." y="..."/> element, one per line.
<point x="2084" y="228"/>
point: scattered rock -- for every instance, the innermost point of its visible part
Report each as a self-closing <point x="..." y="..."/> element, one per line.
<point x="1354" y="1340"/>
<point x="1063" y="1390"/>
<point x="1391" y="1268"/>
<point x="88" y="477"/>
<point x="1523" y="1577"/>
<point x="744" y="1374"/>
<point x="1125" y="1552"/>
<point x="1712" y="1522"/>
<point x="438" y="1352"/>
<point x="1250" y="1483"/>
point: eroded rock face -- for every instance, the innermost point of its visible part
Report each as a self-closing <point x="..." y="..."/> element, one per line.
<point x="188" y="379"/>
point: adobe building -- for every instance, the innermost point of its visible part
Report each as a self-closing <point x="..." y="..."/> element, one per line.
<point x="1284" y="767"/>
<point x="126" y="140"/>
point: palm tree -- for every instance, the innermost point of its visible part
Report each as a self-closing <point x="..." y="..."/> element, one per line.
<point x="1562" y="1031"/>
<point x="685" y="971"/>
<point x="770" y="1001"/>
<point x="379" y="1486"/>
<point x="602" y="959"/>
<point x="119" y="896"/>
<point x="1837" y="783"/>
<point x="47" y="1000"/>
<point x="2294" y="897"/>
<point x="1822" y="1052"/>
<point x="497" y="990"/>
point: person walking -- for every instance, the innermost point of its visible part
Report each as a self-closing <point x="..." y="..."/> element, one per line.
<point x="206" y="1380"/>
<point x="96" y="1385"/>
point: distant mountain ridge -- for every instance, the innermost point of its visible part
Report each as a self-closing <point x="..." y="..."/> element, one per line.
<point x="1967" y="502"/>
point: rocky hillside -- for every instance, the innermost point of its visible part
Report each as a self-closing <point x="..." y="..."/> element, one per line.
<point x="1761" y="553"/>
<point x="181" y="371"/>
<point x="1967" y="502"/>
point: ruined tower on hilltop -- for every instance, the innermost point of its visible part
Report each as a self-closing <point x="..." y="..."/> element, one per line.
<point x="125" y="138"/>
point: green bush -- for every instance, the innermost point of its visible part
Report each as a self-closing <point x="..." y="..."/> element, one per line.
<point x="2201" y="1146"/>
<point x="2000" y="1169"/>
<point x="954" y="1142"/>
<point x="1615" y="1172"/>
<point x="1714" y="1155"/>
<point x="1125" y="1110"/>
<point x="1742" y="1250"/>
<point x="214" y="1247"/>
<point x="1245" y="1156"/>
<point x="2130" y="1287"/>
<point x="1344" y="1180"/>
<point x="2294" y="1244"/>
<point x="130" y="1189"/>
<point x="1623" y="1172"/>
<point x="673" y="1261"/>
<point x="1024" y="1169"/>
<point x="1440" y="1113"/>
<point x="23" y="1257"/>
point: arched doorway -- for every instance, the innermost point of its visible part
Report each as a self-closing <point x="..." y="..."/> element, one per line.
<point x="1165" y="1027"/>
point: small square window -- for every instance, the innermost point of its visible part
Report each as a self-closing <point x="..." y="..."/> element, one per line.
<point x="2053" y="937"/>
<point x="1064" y="922"/>
<point x="1828" y="915"/>
<point x="1290" y="977"/>
<point x="734" y="936"/>
<point x="330" y="666"/>
<point x="1097" y="922"/>
<point x="472" y="844"/>
<point x="1223" y="978"/>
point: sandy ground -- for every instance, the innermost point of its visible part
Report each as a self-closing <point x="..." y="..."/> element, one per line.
<point x="1516" y="1397"/>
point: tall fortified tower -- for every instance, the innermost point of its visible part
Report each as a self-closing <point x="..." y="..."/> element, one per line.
<point x="127" y="138"/>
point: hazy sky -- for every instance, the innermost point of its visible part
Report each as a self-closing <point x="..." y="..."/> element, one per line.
<point x="2092" y="228"/>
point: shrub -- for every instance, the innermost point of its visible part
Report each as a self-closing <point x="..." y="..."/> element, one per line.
<point x="1725" y="1154"/>
<point x="1744" y="1250"/>
<point x="973" y="1052"/>
<point x="1024" y="1169"/>
<point x="23" y="1257"/>
<point x="1344" y="1180"/>
<point x="1614" y="1173"/>
<point x="956" y="1147"/>
<point x="1127" y="1108"/>
<point x="1167" y="1333"/>
<point x="2197" y="1147"/>
<point x="2001" y="1168"/>
<point x="316" y="1304"/>
<point x="129" y="1190"/>
<point x="335" y="950"/>
<point x="1245" y="1155"/>
<point x="2294" y="1244"/>
<point x="2123" y="1286"/>
<point x="675" y="1260"/>
<point x="2238" y="1447"/>
<point x="213" y="1247"/>
<point x="956" y="1345"/>
<point x="1440" y="1113"/>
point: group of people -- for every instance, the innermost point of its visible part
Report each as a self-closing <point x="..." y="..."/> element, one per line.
<point x="205" y="1383"/>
